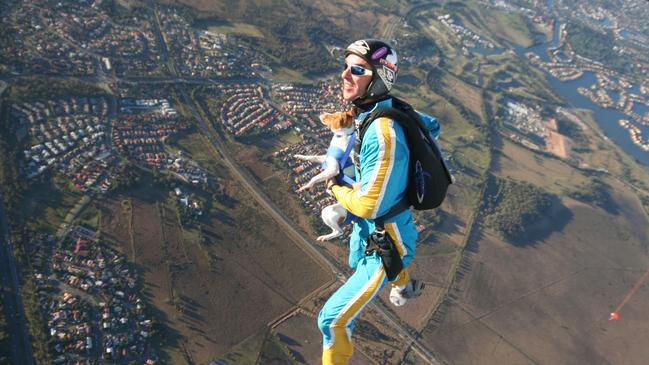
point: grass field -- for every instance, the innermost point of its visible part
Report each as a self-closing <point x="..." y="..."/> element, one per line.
<point x="197" y="146"/>
<point x="497" y="25"/>
<point x="237" y="28"/>
<point x="50" y="203"/>
<point x="546" y="299"/>
<point x="471" y="97"/>
<point x="286" y="74"/>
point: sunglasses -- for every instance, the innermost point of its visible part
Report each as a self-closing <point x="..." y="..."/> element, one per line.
<point x="358" y="70"/>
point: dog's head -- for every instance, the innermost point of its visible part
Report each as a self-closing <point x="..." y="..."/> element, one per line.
<point x="338" y="120"/>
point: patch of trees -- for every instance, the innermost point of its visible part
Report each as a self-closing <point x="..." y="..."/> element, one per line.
<point x="14" y="188"/>
<point x="432" y="221"/>
<point x="572" y="130"/>
<point x="418" y="46"/>
<point x="5" y="355"/>
<point x="645" y="203"/>
<point x="188" y="214"/>
<point x="590" y="43"/>
<point x="118" y="12"/>
<point x="39" y="88"/>
<point x="595" y="192"/>
<point x="128" y="176"/>
<point x="510" y="206"/>
<point x="12" y="185"/>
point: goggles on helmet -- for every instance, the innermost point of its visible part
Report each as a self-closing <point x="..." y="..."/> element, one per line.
<point x="358" y="70"/>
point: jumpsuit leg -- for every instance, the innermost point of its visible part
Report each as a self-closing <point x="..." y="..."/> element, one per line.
<point x="336" y="319"/>
<point x="406" y="255"/>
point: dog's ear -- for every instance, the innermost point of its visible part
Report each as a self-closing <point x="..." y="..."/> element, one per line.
<point x="328" y="119"/>
<point x="335" y="120"/>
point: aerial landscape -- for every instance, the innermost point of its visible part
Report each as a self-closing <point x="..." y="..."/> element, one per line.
<point x="149" y="211"/>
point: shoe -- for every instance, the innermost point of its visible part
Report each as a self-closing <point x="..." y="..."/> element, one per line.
<point x="399" y="295"/>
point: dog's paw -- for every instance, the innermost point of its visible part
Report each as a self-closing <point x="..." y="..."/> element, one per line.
<point x="304" y="187"/>
<point x="329" y="236"/>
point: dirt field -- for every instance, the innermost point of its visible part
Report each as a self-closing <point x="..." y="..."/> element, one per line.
<point x="556" y="142"/>
<point x="214" y="295"/>
<point x="556" y="145"/>
<point x="547" y="300"/>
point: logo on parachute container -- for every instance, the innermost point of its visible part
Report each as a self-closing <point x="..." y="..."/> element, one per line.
<point x="420" y="181"/>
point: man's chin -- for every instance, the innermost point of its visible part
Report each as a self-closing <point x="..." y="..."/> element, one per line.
<point x="348" y="96"/>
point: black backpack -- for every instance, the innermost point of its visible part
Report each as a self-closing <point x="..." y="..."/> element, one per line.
<point x="428" y="174"/>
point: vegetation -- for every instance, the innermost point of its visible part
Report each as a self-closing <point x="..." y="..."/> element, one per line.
<point x="14" y="192"/>
<point x="39" y="88"/>
<point x="118" y="12"/>
<point x="40" y="346"/>
<point x="595" y="192"/>
<point x="127" y="177"/>
<point x="509" y="206"/>
<point x="589" y="43"/>
<point x="492" y="24"/>
<point x="645" y="203"/>
<point x="4" y="336"/>
<point x="572" y="130"/>
<point x="187" y="215"/>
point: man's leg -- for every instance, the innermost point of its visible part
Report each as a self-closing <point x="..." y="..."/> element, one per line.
<point x="336" y="319"/>
<point x="395" y="233"/>
<point x="403" y="287"/>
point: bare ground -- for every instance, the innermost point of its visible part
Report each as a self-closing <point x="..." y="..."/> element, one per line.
<point x="548" y="302"/>
<point x="556" y="142"/>
<point x="215" y="295"/>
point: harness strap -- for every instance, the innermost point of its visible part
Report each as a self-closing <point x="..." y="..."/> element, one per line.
<point x="350" y="145"/>
<point x="402" y="205"/>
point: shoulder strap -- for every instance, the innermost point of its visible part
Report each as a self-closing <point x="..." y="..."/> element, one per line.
<point x="343" y="160"/>
<point x="401" y="113"/>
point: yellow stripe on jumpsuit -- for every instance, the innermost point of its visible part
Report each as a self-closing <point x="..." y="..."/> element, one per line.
<point x="383" y="178"/>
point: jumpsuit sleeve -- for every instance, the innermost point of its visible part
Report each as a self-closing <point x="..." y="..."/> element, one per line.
<point x="431" y="124"/>
<point x="378" y="160"/>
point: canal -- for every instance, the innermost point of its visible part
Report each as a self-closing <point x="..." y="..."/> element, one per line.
<point x="607" y="119"/>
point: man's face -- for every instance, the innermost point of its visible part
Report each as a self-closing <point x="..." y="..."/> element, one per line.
<point x="355" y="85"/>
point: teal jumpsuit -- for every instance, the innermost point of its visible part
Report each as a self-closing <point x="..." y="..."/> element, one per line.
<point x="384" y="157"/>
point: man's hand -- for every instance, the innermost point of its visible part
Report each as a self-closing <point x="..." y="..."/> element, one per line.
<point x="328" y="184"/>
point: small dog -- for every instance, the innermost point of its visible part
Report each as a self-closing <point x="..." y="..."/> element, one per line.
<point x="342" y="126"/>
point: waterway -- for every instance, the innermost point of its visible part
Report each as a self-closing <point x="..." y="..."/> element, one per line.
<point x="606" y="118"/>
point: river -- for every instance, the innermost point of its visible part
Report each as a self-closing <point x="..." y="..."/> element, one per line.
<point x="606" y="118"/>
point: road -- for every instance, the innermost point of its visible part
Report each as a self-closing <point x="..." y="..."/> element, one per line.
<point x="21" y="347"/>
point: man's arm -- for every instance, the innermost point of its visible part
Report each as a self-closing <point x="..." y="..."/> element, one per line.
<point x="378" y="161"/>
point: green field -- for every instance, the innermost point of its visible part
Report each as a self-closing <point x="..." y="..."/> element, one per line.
<point x="237" y="29"/>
